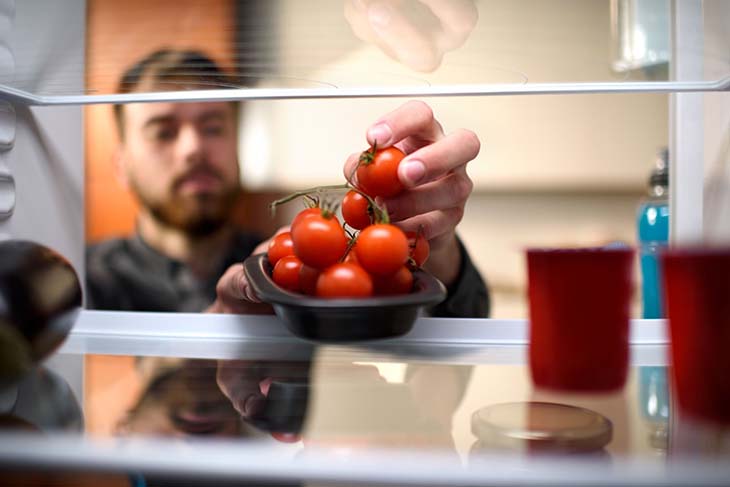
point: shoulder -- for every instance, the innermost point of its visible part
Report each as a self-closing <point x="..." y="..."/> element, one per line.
<point x="105" y="262"/>
<point x="110" y="255"/>
<point x="107" y="249"/>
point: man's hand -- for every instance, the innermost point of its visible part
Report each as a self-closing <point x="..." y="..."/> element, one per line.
<point x="234" y="293"/>
<point x="235" y="296"/>
<point x="434" y="174"/>
<point x="416" y="33"/>
<point x="246" y="382"/>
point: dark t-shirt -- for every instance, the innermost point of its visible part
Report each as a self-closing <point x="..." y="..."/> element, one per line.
<point x="129" y="275"/>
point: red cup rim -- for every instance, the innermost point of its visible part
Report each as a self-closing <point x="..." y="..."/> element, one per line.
<point x="579" y="250"/>
<point x="696" y="251"/>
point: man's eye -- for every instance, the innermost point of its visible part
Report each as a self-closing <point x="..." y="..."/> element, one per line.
<point x="165" y="134"/>
<point x="214" y="129"/>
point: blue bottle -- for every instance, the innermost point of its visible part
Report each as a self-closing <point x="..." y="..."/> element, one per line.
<point x="653" y="233"/>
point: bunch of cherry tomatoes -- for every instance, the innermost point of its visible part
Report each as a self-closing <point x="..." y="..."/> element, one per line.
<point x="366" y="255"/>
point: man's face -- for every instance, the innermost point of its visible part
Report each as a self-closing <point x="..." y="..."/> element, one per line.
<point x="180" y="159"/>
<point x="183" y="401"/>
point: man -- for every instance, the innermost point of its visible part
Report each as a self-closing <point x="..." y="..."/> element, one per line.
<point x="180" y="161"/>
<point x="180" y="398"/>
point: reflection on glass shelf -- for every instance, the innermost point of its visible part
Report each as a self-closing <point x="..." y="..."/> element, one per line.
<point x="640" y="34"/>
<point x="443" y="420"/>
<point x="326" y="47"/>
<point x="334" y="401"/>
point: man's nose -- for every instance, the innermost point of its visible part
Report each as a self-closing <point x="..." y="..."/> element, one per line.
<point x="189" y="145"/>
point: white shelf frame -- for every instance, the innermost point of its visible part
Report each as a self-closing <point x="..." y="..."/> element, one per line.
<point x="218" y="336"/>
<point x="24" y="97"/>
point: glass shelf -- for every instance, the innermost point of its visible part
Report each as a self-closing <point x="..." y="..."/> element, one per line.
<point x="394" y="412"/>
<point x="345" y="49"/>
<point x="196" y="335"/>
<point x="21" y="96"/>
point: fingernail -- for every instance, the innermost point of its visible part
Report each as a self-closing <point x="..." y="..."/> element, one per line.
<point x="412" y="171"/>
<point x="380" y="134"/>
<point x="379" y="14"/>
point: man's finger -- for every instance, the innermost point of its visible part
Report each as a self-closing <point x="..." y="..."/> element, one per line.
<point x="435" y="160"/>
<point x="413" y="119"/>
<point x="434" y="224"/>
<point x="458" y="19"/>
<point x="233" y="286"/>
<point x="349" y="168"/>
<point x="409" y="41"/>
<point x="448" y="192"/>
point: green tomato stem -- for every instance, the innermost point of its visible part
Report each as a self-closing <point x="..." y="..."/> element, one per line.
<point x="350" y="245"/>
<point x="381" y="214"/>
<point x="305" y="193"/>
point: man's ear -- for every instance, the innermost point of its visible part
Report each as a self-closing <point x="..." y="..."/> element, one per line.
<point x="119" y="161"/>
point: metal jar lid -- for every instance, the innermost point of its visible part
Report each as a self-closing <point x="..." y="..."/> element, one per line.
<point x="541" y="426"/>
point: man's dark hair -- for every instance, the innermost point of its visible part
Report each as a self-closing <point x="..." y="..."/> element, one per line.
<point x="188" y="69"/>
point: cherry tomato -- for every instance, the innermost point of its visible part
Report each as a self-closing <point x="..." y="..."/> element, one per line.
<point x="356" y="210"/>
<point x="344" y="280"/>
<point x="377" y="174"/>
<point x="399" y="283"/>
<point x="319" y="241"/>
<point x="286" y="273"/>
<point x="351" y="256"/>
<point x="308" y="280"/>
<point x="419" y="249"/>
<point x="303" y="215"/>
<point x="382" y="249"/>
<point x="280" y="246"/>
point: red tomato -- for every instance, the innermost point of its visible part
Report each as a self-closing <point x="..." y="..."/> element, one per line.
<point x="399" y="283"/>
<point x="419" y="249"/>
<point x="303" y="215"/>
<point x="377" y="174"/>
<point x="308" y="280"/>
<point x="319" y="241"/>
<point x="286" y="273"/>
<point x="351" y="256"/>
<point x="344" y="280"/>
<point x="382" y="249"/>
<point x="280" y="246"/>
<point x="356" y="210"/>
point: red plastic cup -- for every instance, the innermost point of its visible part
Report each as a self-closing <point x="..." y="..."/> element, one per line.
<point x="697" y="285"/>
<point x="579" y="317"/>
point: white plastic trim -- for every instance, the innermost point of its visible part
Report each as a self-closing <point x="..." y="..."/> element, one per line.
<point x="20" y="96"/>
<point x="459" y="340"/>
<point x="7" y="193"/>
<point x="8" y="124"/>
<point x="257" y="461"/>
<point x="686" y="133"/>
<point x="258" y="327"/>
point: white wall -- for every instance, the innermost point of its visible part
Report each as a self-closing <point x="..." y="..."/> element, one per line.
<point x="47" y="158"/>
<point x="46" y="161"/>
<point x="717" y="123"/>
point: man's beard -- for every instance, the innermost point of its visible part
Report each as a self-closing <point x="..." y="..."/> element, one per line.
<point x="196" y="215"/>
